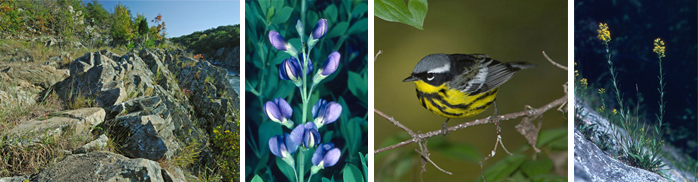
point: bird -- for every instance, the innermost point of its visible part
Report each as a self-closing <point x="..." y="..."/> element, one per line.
<point x="460" y="85"/>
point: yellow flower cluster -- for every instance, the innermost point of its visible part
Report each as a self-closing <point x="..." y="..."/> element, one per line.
<point x="602" y="90"/>
<point x="604" y="34"/>
<point x="659" y="47"/>
<point x="584" y="82"/>
<point x="615" y="112"/>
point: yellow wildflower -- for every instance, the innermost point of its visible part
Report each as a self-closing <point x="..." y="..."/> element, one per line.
<point x="584" y="81"/>
<point x="576" y="72"/>
<point x="602" y="108"/>
<point x="602" y="90"/>
<point x="659" y="47"/>
<point x="604" y="34"/>
<point x="615" y="112"/>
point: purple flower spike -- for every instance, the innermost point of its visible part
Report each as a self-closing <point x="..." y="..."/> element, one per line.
<point x="326" y="112"/>
<point x="306" y="135"/>
<point x="279" y="111"/>
<point x="277" y="40"/>
<point x="331" y="64"/>
<point x="282" y="146"/>
<point x="326" y="156"/>
<point x="320" y="29"/>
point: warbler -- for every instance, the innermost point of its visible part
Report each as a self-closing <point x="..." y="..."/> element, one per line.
<point x="460" y="85"/>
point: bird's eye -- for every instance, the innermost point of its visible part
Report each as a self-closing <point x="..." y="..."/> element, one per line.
<point x="430" y="76"/>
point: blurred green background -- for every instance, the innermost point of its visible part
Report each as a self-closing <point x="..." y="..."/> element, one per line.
<point x="508" y="31"/>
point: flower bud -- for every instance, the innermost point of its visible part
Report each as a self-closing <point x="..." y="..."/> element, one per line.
<point x="306" y="135"/>
<point x="330" y="67"/>
<point x="318" y="32"/>
<point x="326" y="112"/>
<point x="279" y="111"/>
<point x="290" y="70"/>
<point x="326" y="155"/>
<point x="299" y="27"/>
<point x="280" y="43"/>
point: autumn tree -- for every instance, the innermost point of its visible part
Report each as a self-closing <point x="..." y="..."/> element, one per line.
<point x="158" y="30"/>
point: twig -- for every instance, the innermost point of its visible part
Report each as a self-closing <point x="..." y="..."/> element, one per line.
<point x="375" y="58"/>
<point x="553" y="62"/>
<point x="487" y="120"/>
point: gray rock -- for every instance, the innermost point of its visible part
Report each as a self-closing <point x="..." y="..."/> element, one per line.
<point x="14" y="179"/>
<point x="102" y="166"/>
<point x="145" y="143"/>
<point x="42" y="76"/>
<point x="55" y="124"/>
<point x="97" y="144"/>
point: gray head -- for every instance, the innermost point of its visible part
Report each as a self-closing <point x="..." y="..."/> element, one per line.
<point x="429" y="66"/>
<point x="434" y="63"/>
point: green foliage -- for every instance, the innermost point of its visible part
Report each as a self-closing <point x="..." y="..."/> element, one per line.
<point x="95" y="11"/>
<point x="142" y="25"/>
<point x="209" y="41"/>
<point x="412" y="14"/>
<point x="229" y="144"/>
<point x="121" y="28"/>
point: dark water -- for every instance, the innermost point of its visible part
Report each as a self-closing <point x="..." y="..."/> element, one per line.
<point x="633" y="26"/>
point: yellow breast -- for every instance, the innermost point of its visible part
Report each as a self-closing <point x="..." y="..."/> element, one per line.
<point x="453" y="103"/>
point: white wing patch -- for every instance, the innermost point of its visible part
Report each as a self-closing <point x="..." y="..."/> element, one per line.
<point x="443" y="69"/>
<point x="478" y="81"/>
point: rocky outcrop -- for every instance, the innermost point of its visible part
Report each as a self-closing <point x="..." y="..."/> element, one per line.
<point x="228" y="57"/>
<point x="150" y="104"/>
<point x="594" y="164"/>
<point x="58" y="123"/>
<point x="104" y="166"/>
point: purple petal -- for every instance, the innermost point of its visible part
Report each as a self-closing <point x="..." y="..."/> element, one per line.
<point x="317" y="106"/>
<point x="282" y="72"/>
<point x="318" y="155"/>
<point x="277" y="40"/>
<point x="333" y="111"/>
<point x="285" y="108"/>
<point x="331" y="63"/>
<point x="274" y="145"/>
<point x="272" y="111"/>
<point x="297" y="134"/>
<point x="311" y="135"/>
<point x="290" y="144"/>
<point x="331" y="157"/>
<point x="320" y="29"/>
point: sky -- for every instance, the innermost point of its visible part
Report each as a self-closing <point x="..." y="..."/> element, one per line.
<point x="183" y="17"/>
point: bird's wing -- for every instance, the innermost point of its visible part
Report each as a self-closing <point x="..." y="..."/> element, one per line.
<point x="485" y="75"/>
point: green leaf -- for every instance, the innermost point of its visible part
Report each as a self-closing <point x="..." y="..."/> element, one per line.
<point x="282" y="15"/>
<point x="358" y="27"/>
<point x="330" y="14"/>
<point x="359" y="10"/>
<point x="461" y="151"/>
<point x="327" y="136"/>
<point x="338" y="30"/>
<point x="358" y="85"/>
<point x="504" y="167"/>
<point x="547" y="136"/>
<point x="264" y="6"/>
<point x="351" y="173"/>
<point x="364" y="163"/>
<point x="267" y="130"/>
<point x="412" y="14"/>
<point x="325" y="180"/>
<point x="537" y="167"/>
<point x="285" y="168"/>
<point x="256" y="178"/>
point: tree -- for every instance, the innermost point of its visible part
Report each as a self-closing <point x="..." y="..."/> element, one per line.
<point x="121" y="25"/>
<point x="160" y="26"/>
<point x="96" y="12"/>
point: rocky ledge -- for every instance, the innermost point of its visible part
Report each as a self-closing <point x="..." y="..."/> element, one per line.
<point x="151" y="103"/>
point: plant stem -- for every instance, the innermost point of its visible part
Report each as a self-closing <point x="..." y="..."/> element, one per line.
<point x="301" y="163"/>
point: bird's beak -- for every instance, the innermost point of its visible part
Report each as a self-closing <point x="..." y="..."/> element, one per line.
<point x="410" y="79"/>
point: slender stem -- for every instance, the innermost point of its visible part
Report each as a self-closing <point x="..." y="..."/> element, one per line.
<point x="311" y="176"/>
<point x="301" y="163"/>
<point x="295" y="172"/>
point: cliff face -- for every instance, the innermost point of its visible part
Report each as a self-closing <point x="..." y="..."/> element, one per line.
<point x="150" y="105"/>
